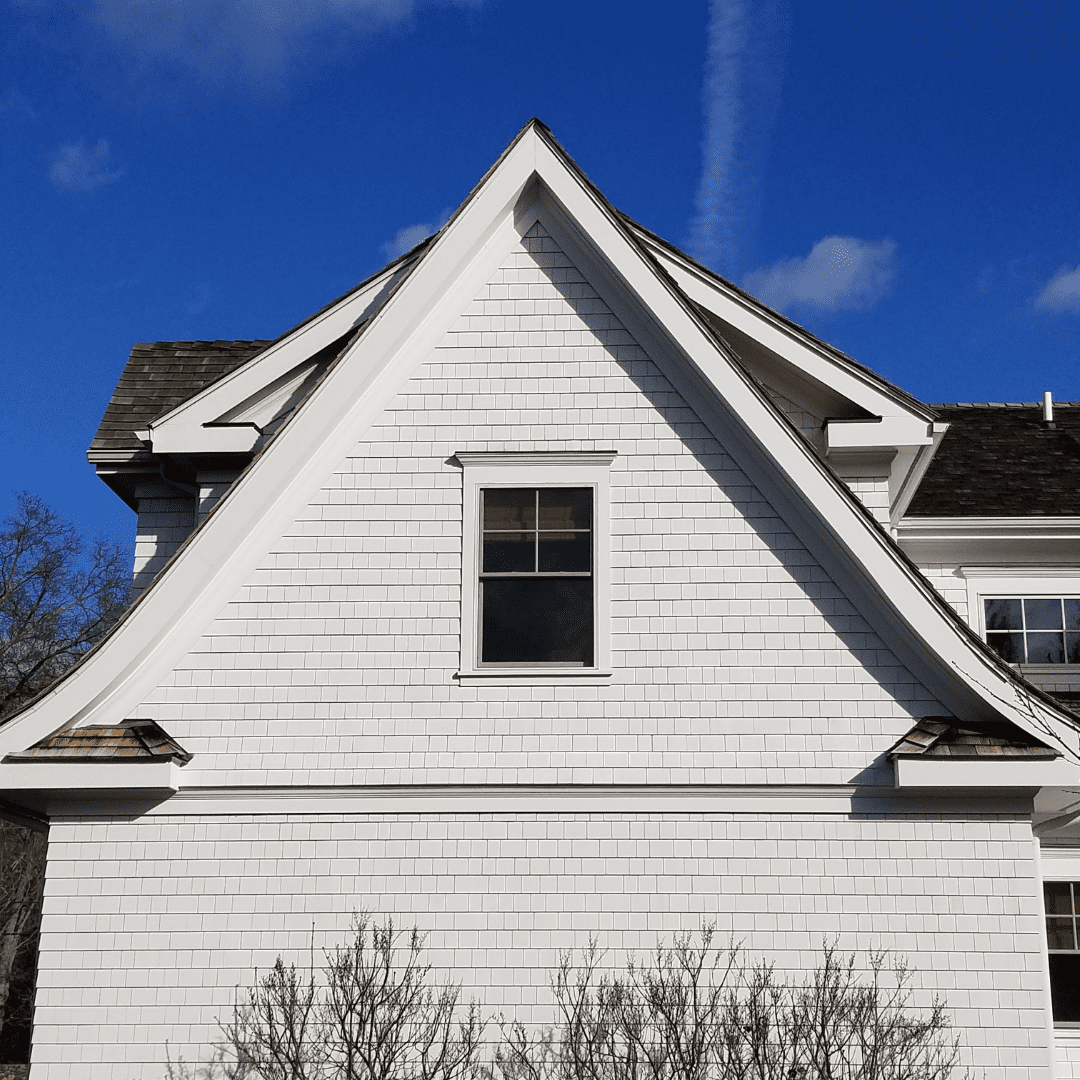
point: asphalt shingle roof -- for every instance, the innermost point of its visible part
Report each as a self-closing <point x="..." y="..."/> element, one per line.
<point x="158" y="377"/>
<point x="1001" y="460"/>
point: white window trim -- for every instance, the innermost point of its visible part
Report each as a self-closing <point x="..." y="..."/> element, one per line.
<point x="584" y="468"/>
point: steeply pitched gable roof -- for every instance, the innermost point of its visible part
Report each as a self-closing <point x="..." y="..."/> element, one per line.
<point x="536" y="177"/>
<point x="158" y="377"/>
<point x="1002" y="460"/>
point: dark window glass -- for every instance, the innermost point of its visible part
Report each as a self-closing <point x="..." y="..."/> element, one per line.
<point x="1004" y="615"/>
<point x="1057" y="897"/>
<point x="1072" y="648"/>
<point x="536" y="587"/>
<point x="1010" y="647"/>
<point x="1065" y="987"/>
<point x="1042" y="615"/>
<point x="1072" y="614"/>
<point x="537" y="621"/>
<point x="1045" y="648"/>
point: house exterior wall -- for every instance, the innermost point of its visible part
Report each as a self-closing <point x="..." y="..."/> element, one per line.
<point x="738" y="664"/>
<point x="150" y="925"/>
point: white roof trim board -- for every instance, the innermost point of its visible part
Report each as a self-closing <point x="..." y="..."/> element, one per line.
<point x="533" y="176"/>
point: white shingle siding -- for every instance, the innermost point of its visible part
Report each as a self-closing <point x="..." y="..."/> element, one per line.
<point x="737" y="660"/>
<point x="149" y="927"/>
<point x="952" y="585"/>
<point x="166" y="518"/>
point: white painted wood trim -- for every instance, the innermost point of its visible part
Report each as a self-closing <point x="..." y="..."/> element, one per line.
<point x="934" y="772"/>
<point x="562" y="469"/>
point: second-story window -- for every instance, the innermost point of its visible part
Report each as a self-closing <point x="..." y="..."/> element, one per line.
<point x="1034" y="630"/>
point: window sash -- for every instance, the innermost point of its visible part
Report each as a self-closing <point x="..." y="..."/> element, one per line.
<point x="555" y="628"/>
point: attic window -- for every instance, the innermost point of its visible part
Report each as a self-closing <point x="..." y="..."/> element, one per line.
<point x="1062" y="902"/>
<point x="536" y="587"/>
<point x="1034" y="630"/>
<point x="535" y="566"/>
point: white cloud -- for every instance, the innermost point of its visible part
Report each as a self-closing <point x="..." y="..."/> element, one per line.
<point x="220" y="39"/>
<point x="407" y="238"/>
<point x="79" y="167"/>
<point x="746" y="48"/>
<point x="1061" y="293"/>
<point x="840" y="273"/>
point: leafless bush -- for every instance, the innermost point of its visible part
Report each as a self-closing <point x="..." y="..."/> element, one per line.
<point x="695" y="1013"/>
<point x="692" y="1012"/>
<point x="376" y="1015"/>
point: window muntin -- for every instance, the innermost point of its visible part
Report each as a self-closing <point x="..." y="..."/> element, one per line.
<point x="1033" y="630"/>
<point x="1061" y="900"/>
<point x="537" y="602"/>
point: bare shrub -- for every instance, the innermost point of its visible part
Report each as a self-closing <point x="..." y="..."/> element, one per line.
<point x="695" y="1013"/>
<point x="691" y="1012"/>
<point x="376" y="1015"/>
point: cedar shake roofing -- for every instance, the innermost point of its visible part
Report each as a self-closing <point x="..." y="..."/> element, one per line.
<point x="1001" y="460"/>
<point x="943" y="737"/>
<point x="160" y="376"/>
<point x="130" y="740"/>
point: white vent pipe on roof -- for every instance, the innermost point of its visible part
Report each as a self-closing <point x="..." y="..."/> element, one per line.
<point x="1048" y="408"/>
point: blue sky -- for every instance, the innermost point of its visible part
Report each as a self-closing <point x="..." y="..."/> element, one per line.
<point x="901" y="178"/>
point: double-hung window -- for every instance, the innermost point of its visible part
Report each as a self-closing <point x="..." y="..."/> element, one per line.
<point x="536" y="579"/>
<point x="1062" y="902"/>
<point x="535" y="564"/>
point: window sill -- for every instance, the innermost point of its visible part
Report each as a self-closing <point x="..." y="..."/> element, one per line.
<point x="509" y="676"/>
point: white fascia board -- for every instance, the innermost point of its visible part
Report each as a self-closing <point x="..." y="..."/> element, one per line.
<point x="898" y="430"/>
<point x="989" y="528"/>
<point x="908" y="615"/>
<point x="158" y="631"/>
<point x="785" y="341"/>
<point x="183" y="429"/>
<point x="63" y="776"/>
<point x="160" y="628"/>
<point x="216" y="439"/>
<point x="951" y="773"/>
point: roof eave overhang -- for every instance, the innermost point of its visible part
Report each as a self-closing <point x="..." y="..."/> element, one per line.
<point x="60" y="788"/>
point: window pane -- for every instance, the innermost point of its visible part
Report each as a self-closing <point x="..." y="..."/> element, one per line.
<point x="508" y="552"/>
<point x="1059" y="932"/>
<point x="510" y="508"/>
<point x="1010" y="647"/>
<point x="537" y="620"/>
<point x="1065" y="987"/>
<point x="1057" y="896"/>
<point x="566" y="508"/>
<point x="1072" y="648"/>
<point x="565" y="552"/>
<point x="1045" y="649"/>
<point x="1003" y="615"/>
<point x="1072" y="614"/>
<point x="1043" y="614"/>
